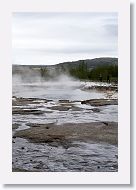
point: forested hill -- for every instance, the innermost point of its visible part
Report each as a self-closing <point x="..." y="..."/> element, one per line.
<point x="90" y="63"/>
<point x="89" y="69"/>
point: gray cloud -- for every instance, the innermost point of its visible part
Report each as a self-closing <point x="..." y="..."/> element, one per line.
<point x="49" y="36"/>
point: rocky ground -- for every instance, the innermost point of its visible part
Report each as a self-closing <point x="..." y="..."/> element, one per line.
<point x="65" y="135"/>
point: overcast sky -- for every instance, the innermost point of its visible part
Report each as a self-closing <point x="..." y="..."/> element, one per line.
<point x="51" y="38"/>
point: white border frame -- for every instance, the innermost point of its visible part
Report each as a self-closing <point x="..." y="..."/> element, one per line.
<point x="123" y="174"/>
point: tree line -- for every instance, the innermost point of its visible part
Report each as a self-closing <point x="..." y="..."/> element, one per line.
<point x="99" y="73"/>
<point x="82" y="72"/>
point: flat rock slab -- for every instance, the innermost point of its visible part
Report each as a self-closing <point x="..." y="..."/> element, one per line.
<point x="96" y="131"/>
<point x="27" y="111"/>
<point x="100" y="102"/>
<point x="39" y="125"/>
<point x="25" y="101"/>
<point x="59" y="108"/>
